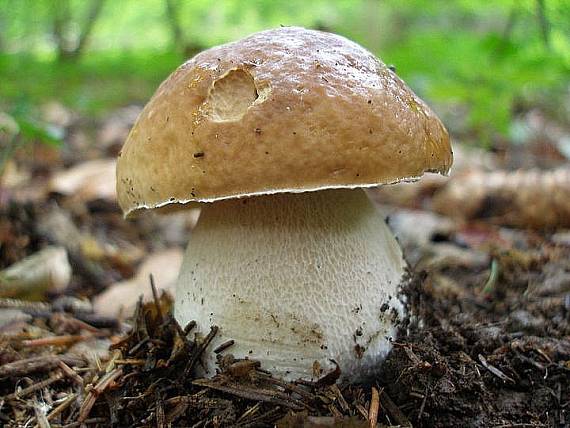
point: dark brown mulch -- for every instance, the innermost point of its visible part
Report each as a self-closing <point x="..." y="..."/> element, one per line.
<point x="472" y="362"/>
<point x="465" y="362"/>
<point x="471" y="356"/>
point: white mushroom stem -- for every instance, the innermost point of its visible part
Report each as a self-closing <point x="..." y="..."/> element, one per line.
<point x="295" y="280"/>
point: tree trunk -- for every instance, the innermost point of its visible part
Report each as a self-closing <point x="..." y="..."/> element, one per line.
<point x="543" y="23"/>
<point x="188" y="48"/>
<point x="172" y="13"/>
<point x="71" y="50"/>
<point x="61" y="18"/>
<point x="93" y="14"/>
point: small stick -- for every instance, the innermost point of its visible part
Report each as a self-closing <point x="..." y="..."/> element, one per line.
<point x="45" y="363"/>
<point x="393" y="410"/>
<point x="340" y="398"/>
<point x="423" y="405"/>
<point x="94" y="393"/>
<point x="198" y="353"/>
<point x="160" y="417"/>
<point x="78" y="324"/>
<point x="495" y="370"/>
<point x="156" y="299"/>
<point x="374" y="408"/>
<point x="288" y="386"/>
<point x="130" y="362"/>
<point x="64" y="405"/>
<point x="224" y="346"/>
<point x="363" y="412"/>
<point x="249" y="412"/>
<point x="335" y="412"/>
<point x="271" y="414"/>
<point x="40" y="416"/>
<point x="272" y="397"/>
<point x="35" y="387"/>
<point x="70" y="372"/>
<point x="189" y="327"/>
<point x="54" y="341"/>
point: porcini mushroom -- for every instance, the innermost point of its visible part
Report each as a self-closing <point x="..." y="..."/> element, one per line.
<point x="275" y="136"/>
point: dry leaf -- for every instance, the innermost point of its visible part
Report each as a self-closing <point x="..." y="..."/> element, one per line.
<point x="164" y="267"/>
<point x="414" y="194"/>
<point x="46" y="270"/>
<point x="534" y="199"/>
<point x="87" y="181"/>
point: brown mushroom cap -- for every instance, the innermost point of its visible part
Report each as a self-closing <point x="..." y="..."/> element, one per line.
<point x="284" y="110"/>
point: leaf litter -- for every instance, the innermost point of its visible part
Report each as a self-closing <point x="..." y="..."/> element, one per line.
<point x="487" y="343"/>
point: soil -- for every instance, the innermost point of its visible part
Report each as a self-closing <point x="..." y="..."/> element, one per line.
<point x="487" y="343"/>
<point x="472" y="354"/>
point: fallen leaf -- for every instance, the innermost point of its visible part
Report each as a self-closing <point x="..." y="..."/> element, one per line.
<point x="123" y="296"/>
<point x="87" y="181"/>
<point x="32" y="277"/>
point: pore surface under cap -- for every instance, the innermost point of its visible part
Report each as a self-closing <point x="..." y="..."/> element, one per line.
<point x="284" y="110"/>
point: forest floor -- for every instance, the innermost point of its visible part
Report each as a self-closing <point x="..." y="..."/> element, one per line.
<point x="487" y="343"/>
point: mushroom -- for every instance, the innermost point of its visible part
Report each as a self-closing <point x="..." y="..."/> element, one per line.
<point x="275" y="136"/>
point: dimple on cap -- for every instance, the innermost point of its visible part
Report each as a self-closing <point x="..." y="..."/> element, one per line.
<point x="284" y="110"/>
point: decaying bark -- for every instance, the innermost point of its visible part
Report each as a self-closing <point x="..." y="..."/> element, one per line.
<point x="534" y="199"/>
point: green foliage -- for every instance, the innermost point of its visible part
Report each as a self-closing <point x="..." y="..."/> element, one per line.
<point x="93" y="86"/>
<point x="476" y="62"/>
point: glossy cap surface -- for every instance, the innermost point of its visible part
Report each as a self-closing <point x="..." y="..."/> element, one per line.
<point x="284" y="110"/>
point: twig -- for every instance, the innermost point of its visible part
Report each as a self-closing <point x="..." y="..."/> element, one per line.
<point x="363" y="412"/>
<point x="160" y="417"/>
<point x="94" y="393"/>
<point x="254" y="422"/>
<point x="45" y="363"/>
<point x="64" y="405"/>
<point x="40" y="416"/>
<point x="224" y="346"/>
<point x="340" y="398"/>
<point x="65" y="340"/>
<point x="287" y="386"/>
<point x="35" y="387"/>
<point x="156" y="299"/>
<point x="374" y="408"/>
<point x="32" y="308"/>
<point x="252" y="410"/>
<point x="393" y="410"/>
<point x="130" y="362"/>
<point x="273" y="397"/>
<point x="70" y="373"/>
<point x="494" y="370"/>
<point x="200" y="349"/>
<point x="334" y="411"/>
<point x="423" y="405"/>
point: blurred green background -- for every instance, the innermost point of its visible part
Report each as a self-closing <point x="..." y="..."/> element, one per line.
<point x="479" y="63"/>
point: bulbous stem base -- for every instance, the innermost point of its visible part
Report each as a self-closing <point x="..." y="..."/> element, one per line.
<point x="296" y="280"/>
